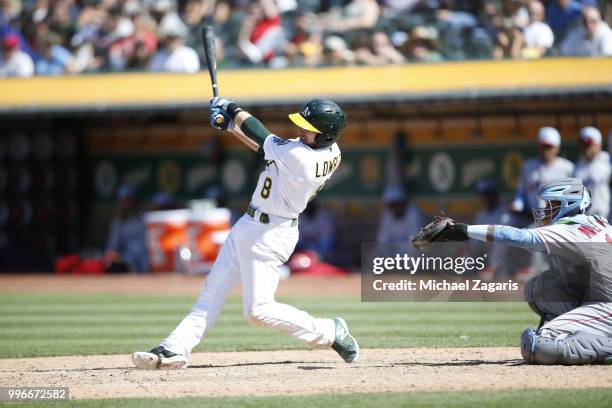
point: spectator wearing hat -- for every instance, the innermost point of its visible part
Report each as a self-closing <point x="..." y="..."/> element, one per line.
<point x="337" y="52"/>
<point x="422" y="45"/>
<point x="10" y="14"/>
<point x="594" y="169"/>
<point x="16" y="62"/>
<point x="592" y="38"/>
<point x="401" y="219"/>
<point x="175" y="56"/>
<point x="162" y="9"/>
<point x="539" y="171"/>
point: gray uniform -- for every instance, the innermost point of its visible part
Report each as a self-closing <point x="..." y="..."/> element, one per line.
<point x="575" y="295"/>
<point x="595" y="175"/>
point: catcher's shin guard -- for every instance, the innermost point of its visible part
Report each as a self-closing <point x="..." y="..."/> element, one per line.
<point x="576" y="348"/>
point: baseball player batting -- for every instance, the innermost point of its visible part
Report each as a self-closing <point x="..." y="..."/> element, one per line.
<point x="573" y="298"/>
<point x="265" y="237"/>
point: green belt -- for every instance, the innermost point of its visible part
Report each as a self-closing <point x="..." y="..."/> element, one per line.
<point x="265" y="218"/>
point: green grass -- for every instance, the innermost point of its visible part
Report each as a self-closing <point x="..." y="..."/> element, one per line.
<point x="592" y="398"/>
<point x="52" y="324"/>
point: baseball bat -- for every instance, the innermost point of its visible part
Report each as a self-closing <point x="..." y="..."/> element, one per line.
<point x="208" y="37"/>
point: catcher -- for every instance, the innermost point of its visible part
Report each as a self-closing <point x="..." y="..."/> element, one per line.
<point x="573" y="298"/>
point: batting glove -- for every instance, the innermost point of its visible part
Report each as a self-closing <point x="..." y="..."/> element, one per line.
<point x="220" y="119"/>
<point x="220" y="103"/>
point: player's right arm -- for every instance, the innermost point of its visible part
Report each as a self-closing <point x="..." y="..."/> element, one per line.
<point x="240" y="123"/>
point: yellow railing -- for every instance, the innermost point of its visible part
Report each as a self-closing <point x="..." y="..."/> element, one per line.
<point x="271" y="85"/>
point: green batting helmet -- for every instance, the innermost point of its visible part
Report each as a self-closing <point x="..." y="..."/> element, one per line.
<point x="323" y="117"/>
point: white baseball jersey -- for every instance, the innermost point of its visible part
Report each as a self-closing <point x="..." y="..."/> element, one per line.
<point x="294" y="174"/>
<point x="536" y="173"/>
<point x="595" y="175"/>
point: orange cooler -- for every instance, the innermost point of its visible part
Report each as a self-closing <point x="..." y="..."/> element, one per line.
<point x="166" y="232"/>
<point x="207" y="231"/>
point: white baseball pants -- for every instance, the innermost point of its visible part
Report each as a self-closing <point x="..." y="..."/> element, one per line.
<point x="252" y="253"/>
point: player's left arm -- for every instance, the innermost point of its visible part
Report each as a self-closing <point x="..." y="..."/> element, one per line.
<point x="519" y="237"/>
<point x="240" y="123"/>
<point x="444" y="229"/>
<point x="250" y="131"/>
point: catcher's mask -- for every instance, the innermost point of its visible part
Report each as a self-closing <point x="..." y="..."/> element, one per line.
<point x="323" y="117"/>
<point x="561" y="198"/>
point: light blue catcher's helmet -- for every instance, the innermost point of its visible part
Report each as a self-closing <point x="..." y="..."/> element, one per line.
<point x="562" y="198"/>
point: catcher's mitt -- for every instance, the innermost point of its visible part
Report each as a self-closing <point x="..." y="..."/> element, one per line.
<point x="441" y="229"/>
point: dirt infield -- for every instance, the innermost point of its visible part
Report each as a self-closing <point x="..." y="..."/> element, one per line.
<point x="170" y="284"/>
<point x="276" y="372"/>
<point x="300" y="372"/>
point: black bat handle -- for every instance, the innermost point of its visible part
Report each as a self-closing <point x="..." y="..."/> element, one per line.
<point x="208" y="36"/>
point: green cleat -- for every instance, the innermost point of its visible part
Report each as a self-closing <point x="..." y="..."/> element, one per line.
<point x="608" y="360"/>
<point x="344" y="343"/>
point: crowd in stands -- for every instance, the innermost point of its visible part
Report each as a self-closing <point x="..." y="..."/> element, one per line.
<point x="53" y="37"/>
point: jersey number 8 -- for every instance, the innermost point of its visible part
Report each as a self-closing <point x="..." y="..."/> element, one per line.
<point x="267" y="185"/>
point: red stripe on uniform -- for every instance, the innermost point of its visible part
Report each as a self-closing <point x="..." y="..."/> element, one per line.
<point x="586" y="320"/>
